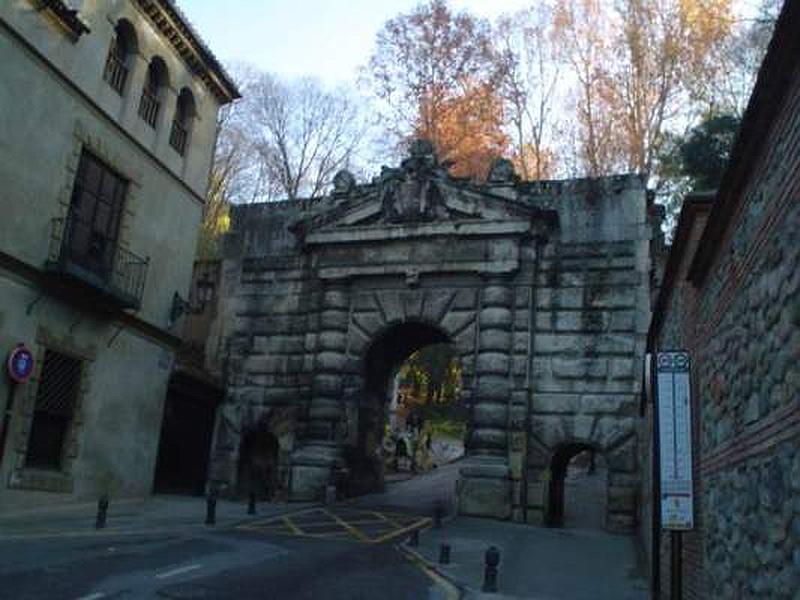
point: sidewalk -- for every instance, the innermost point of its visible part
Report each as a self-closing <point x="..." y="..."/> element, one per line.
<point x="155" y="514"/>
<point x="535" y="563"/>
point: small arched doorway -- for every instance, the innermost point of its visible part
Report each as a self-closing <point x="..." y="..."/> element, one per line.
<point x="397" y="422"/>
<point x="578" y="487"/>
<point x="259" y="452"/>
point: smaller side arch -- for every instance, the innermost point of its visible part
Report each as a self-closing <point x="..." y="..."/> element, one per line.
<point x="560" y="461"/>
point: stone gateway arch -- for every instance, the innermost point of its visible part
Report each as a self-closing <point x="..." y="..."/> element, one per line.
<point x="543" y="288"/>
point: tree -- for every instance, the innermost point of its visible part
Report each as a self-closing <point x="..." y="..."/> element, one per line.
<point x="470" y="131"/>
<point x="532" y="73"/>
<point x="696" y="161"/>
<point x="427" y="66"/>
<point x="637" y="66"/>
<point x="303" y="133"/>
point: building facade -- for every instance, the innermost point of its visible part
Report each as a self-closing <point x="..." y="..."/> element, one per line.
<point x="543" y="288"/>
<point x="108" y="123"/>
<point x="731" y="297"/>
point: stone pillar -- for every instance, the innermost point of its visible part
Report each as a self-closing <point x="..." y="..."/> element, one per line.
<point x="484" y="487"/>
<point x="313" y="462"/>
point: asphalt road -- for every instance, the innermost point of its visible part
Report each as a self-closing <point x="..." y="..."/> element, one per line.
<point x="344" y="553"/>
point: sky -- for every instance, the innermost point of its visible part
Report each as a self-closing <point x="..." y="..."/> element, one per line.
<point x="327" y="39"/>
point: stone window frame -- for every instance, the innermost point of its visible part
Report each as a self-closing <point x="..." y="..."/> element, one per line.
<point x="41" y="479"/>
<point x="83" y="139"/>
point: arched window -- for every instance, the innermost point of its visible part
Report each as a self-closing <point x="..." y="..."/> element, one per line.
<point x="120" y="56"/>
<point x="155" y="81"/>
<point x="181" y="126"/>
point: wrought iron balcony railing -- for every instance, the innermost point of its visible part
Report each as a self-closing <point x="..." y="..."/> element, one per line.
<point x="97" y="265"/>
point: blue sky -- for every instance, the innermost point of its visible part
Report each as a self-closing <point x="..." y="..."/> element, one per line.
<point x="328" y="39"/>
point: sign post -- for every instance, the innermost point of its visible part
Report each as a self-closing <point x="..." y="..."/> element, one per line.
<point x="675" y="440"/>
<point x="674" y="435"/>
<point x="19" y="368"/>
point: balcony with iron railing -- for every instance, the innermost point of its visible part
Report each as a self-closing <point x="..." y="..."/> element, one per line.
<point x="116" y="73"/>
<point x="178" y="136"/>
<point x="95" y="268"/>
<point x="148" y="107"/>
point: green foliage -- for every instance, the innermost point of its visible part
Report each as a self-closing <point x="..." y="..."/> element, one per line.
<point x="704" y="153"/>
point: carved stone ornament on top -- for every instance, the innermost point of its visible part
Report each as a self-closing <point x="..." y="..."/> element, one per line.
<point x="411" y="193"/>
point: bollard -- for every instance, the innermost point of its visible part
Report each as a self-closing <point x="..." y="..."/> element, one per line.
<point x="414" y="539"/>
<point x="251" y="504"/>
<point x="444" y="554"/>
<point x="492" y="559"/>
<point x="211" y="508"/>
<point x="102" y="512"/>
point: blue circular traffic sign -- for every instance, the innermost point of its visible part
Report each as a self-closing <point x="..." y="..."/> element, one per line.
<point x="20" y="364"/>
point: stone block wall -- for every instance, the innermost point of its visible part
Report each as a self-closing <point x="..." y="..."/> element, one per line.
<point x="543" y="288"/>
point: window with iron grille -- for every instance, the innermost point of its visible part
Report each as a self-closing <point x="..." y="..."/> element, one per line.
<point x="94" y="216"/>
<point x="149" y="104"/>
<point x="56" y="397"/>
<point x="116" y="72"/>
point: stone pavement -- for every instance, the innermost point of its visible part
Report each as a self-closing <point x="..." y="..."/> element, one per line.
<point x="156" y="513"/>
<point x="536" y="563"/>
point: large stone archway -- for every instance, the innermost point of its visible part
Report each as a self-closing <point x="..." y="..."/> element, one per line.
<point x="542" y="287"/>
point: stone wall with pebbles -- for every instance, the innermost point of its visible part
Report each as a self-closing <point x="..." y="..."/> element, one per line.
<point x="740" y="318"/>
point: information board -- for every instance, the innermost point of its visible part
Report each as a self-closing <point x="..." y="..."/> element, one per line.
<point x="675" y="439"/>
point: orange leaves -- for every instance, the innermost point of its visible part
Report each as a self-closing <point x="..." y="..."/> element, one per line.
<point x="468" y="131"/>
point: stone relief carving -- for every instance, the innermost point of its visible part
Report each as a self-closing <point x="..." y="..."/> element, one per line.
<point x="411" y="193"/>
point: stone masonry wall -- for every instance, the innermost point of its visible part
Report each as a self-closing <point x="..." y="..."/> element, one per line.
<point x="542" y="287"/>
<point x="744" y="334"/>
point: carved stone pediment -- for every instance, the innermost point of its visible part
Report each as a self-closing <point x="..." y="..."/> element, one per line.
<point x="414" y="197"/>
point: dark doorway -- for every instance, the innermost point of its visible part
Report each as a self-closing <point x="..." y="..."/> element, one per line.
<point x="578" y="487"/>
<point x="186" y="432"/>
<point x="258" y="463"/>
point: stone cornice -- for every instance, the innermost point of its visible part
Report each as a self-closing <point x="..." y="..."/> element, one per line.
<point x="174" y="26"/>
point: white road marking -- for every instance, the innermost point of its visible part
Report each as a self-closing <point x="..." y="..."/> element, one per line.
<point x="94" y="596"/>
<point x="177" y="571"/>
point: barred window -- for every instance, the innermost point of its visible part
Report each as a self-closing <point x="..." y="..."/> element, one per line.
<point x="56" y="396"/>
<point x="95" y="214"/>
<point x="123" y="47"/>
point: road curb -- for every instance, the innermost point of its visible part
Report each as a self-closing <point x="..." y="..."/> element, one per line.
<point x="453" y="589"/>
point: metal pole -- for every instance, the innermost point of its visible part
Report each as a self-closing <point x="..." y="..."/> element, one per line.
<point x="12" y="386"/>
<point x="444" y="554"/>
<point x="677" y="566"/>
<point x="102" y="512"/>
<point x="251" y="504"/>
<point x="211" y="508"/>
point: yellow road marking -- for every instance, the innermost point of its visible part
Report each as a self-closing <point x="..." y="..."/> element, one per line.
<point x="391" y="522"/>
<point x="292" y="527"/>
<point x="401" y="531"/>
<point x="352" y="530"/>
<point x="451" y="591"/>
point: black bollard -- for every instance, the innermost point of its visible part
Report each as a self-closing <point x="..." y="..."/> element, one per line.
<point x="211" y="508"/>
<point x="492" y="559"/>
<point x="102" y="512"/>
<point x="414" y="539"/>
<point x="444" y="554"/>
<point x="251" y="504"/>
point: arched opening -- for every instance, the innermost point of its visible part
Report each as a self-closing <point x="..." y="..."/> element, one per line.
<point x="578" y="487"/>
<point x="185" y="111"/>
<point x="410" y="417"/>
<point x="155" y="81"/>
<point x="124" y="46"/>
<point x="258" y="469"/>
